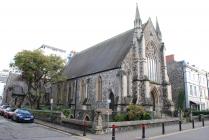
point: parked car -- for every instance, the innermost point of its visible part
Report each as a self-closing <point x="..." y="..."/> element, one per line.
<point x="2" y="109"/>
<point x="9" y="112"/>
<point x="22" y="115"/>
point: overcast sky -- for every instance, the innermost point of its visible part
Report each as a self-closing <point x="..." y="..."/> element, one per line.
<point x="79" y="24"/>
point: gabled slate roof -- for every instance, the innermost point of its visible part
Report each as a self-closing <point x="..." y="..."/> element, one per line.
<point x="104" y="56"/>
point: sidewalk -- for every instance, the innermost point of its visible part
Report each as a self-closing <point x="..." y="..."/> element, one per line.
<point x="150" y="132"/>
<point x="126" y="135"/>
<point x="60" y="128"/>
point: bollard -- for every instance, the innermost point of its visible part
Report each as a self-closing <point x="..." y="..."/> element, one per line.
<point x="179" y="125"/>
<point x="113" y="132"/>
<point x="84" y="128"/>
<point x="163" y="128"/>
<point x="203" y="122"/>
<point x="143" y="131"/>
<point x="193" y="124"/>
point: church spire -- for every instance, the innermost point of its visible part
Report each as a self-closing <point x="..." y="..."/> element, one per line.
<point x="158" y="32"/>
<point x="137" y="21"/>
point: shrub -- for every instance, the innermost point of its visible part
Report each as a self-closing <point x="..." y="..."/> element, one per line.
<point x="120" y="117"/>
<point x="196" y="113"/>
<point x="146" y="116"/>
<point x="66" y="112"/>
<point x="135" y="112"/>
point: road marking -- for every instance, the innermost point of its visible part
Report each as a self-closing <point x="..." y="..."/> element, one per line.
<point x="174" y="133"/>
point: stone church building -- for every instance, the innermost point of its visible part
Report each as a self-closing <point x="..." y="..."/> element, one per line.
<point x="127" y="68"/>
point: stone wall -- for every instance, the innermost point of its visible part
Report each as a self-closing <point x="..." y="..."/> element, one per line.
<point x="176" y="76"/>
<point x="111" y="82"/>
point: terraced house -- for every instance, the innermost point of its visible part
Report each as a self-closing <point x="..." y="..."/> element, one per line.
<point x="191" y="81"/>
<point x="127" y="68"/>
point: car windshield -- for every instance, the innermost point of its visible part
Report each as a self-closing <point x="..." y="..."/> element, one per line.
<point x="12" y="109"/>
<point x="8" y="109"/>
<point x="5" y="107"/>
<point x="23" y="112"/>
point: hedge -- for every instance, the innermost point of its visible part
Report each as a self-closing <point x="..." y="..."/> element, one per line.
<point x="196" y="113"/>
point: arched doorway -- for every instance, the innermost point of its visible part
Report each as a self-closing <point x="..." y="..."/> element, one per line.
<point x="112" y="101"/>
<point x="87" y="118"/>
<point x="154" y="98"/>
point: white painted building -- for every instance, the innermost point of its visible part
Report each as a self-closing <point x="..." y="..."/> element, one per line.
<point x="48" y="50"/>
<point x="196" y="87"/>
<point x="190" y="80"/>
<point x="3" y="78"/>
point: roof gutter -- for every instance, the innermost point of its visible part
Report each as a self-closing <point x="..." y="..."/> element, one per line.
<point x="94" y="73"/>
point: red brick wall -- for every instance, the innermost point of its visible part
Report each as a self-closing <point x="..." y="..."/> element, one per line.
<point x="170" y="58"/>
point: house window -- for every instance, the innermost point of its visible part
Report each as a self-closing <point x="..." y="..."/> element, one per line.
<point x="193" y="77"/>
<point x="99" y="89"/>
<point x="189" y="75"/>
<point x="195" y="91"/>
<point x="201" y="90"/>
<point x="191" y="92"/>
<point x="204" y="93"/>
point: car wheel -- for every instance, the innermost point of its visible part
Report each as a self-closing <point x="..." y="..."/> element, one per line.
<point x="13" y="118"/>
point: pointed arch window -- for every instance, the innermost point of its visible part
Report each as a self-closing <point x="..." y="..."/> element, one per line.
<point x="99" y="89"/>
<point x="82" y="90"/>
<point x="125" y="85"/>
<point x="128" y="83"/>
<point x="58" y="93"/>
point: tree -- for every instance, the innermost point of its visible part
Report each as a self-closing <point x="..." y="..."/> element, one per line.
<point x="181" y="99"/>
<point x="37" y="71"/>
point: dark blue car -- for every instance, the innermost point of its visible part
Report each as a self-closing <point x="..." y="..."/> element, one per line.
<point x="22" y="115"/>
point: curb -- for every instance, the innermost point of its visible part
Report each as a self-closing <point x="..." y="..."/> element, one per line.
<point x="56" y="128"/>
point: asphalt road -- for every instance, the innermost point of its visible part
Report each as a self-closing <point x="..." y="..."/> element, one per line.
<point x="192" y="134"/>
<point x="26" y="131"/>
<point x="30" y="131"/>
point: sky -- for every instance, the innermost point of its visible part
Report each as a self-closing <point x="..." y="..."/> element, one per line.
<point x="80" y="24"/>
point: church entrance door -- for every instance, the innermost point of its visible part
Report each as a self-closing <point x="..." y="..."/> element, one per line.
<point x="112" y="103"/>
<point x="154" y="98"/>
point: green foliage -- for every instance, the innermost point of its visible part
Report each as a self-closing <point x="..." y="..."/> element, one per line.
<point x="120" y="117"/>
<point x="187" y="113"/>
<point x="146" y="116"/>
<point x="196" y="113"/>
<point x="37" y="70"/>
<point x="35" y="65"/>
<point x="135" y="112"/>
<point x="66" y="112"/>
<point x="181" y="99"/>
